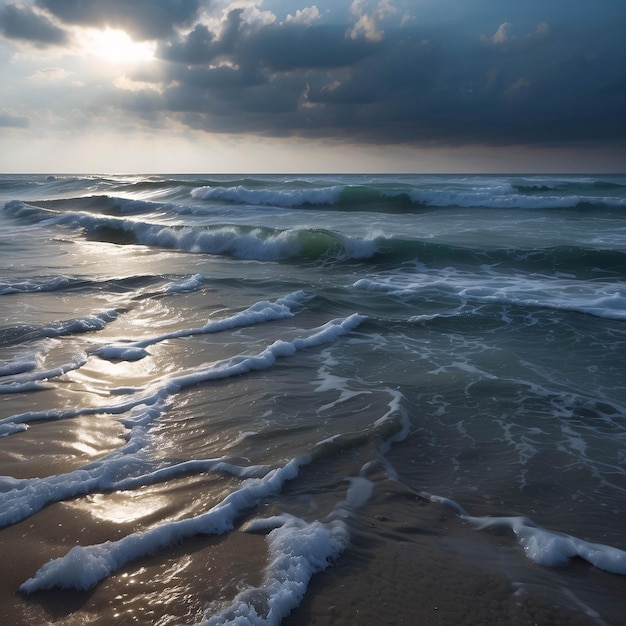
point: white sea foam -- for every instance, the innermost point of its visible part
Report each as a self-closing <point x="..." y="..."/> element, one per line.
<point x="143" y="408"/>
<point x="593" y="299"/>
<point x="33" y="285"/>
<point x="63" y="328"/>
<point x="297" y="551"/>
<point x="195" y="466"/>
<point x="121" y="352"/>
<point x="34" y="381"/>
<point x="189" y="285"/>
<point x="244" y="242"/>
<point x="11" y="428"/>
<point x="596" y="298"/>
<point x="21" y="499"/>
<point x="240" y="365"/>
<point x="395" y="411"/>
<point x="262" y="244"/>
<point x="83" y="567"/>
<point x="235" y="366"/>
<point x="259" y="312"/>
<point x="327" y="381"/>
<point x="543" y="546"/>
<point x="550" y="548"/>
<point x="18" y="365"/>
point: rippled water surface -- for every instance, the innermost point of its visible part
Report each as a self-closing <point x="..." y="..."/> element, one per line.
<point x="316" y="399"/>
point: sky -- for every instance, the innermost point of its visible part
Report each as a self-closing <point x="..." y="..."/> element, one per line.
<point x="216" y="86"/>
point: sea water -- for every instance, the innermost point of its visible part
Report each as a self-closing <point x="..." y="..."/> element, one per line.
<point x="313" y="399"/>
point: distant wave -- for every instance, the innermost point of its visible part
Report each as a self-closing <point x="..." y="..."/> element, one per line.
<point x="239" y="241"/>
<point x="528" y="186"/>
<point x="281" y="198"/>
<point x="103" y="205"/>
<point x="403" y="195"/>
<point x="264" y="243"/>
<point x="405" y="198"/>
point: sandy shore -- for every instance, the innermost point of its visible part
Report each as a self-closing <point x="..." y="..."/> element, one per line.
<point x="413" y="564"/>
<point x="409" y="562"/>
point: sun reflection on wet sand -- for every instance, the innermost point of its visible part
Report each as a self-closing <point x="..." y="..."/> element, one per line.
<point x="100" y="379"/>
<point x="56" y="447"/>
<point x="124" y="508"/>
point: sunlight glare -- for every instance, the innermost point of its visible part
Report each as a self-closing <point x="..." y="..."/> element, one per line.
<point x="116" y="46"/>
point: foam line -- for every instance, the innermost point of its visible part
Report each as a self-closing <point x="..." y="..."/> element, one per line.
<point x="189" y="467"/>
<point x="84" y="567"/>
<point x="189" y="285"/>
<point x="550" y="548"/>
<point x="12" y="429"/>
<point x="35" y="381"/>
<point x="599" y="299"/>
<point x="62" y="328"/>
<point x="33" y="285"/>
<point x="543" y="546"/>
<point x="234" y="366"/>
<point x="258" y="313"/>
<point x="26" y="497"/>
<point x="18" y="365"/>
<point x="297" y="551"/>
<point x="144" y="410"/>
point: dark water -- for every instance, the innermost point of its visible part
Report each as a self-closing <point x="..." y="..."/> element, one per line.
<point x="216" y="388"/>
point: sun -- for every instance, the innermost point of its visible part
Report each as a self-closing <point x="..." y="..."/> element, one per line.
<point x="116" y="46"/>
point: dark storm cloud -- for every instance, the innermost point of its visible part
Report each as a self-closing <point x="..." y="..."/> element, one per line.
<point x="288" y="47"/>
<point x="143" y="19"/>
<point x="20" y="22"/>
<point x="493" y="81"/>
<point x="201" y="46"/>
<point x="278" y="47"/>
<point x="384" y="71"/>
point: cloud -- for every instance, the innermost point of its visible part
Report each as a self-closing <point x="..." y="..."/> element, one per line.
<point x="304" y="16"/>
<point x="129" y="84"/>
<point x="50" y="74"/>
<point x="418" y="83"/>
<point x="541" y="30"/>
<point x="368" y="24"/>
<point x="142" y="19"/>
<point x="201" y="45"/>
<point x="275" y="47"/>
<point x="22" y="23"/>
<point x="520" y="85"/>
<point x="502" y="34"/>
<point x="10" y="120"/>
<point x="362" y="74"/>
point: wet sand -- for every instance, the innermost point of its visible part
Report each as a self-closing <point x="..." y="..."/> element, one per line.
<point x="413" y="563"/>
<point x="408" y="562"/>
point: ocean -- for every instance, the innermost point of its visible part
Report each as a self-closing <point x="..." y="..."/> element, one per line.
<point x="328" y="399"/>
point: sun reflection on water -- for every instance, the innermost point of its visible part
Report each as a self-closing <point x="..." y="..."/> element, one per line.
<point x="125" y="507"/>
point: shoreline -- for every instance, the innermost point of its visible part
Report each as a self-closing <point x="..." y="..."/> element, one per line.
<point x="407" y="562"/>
